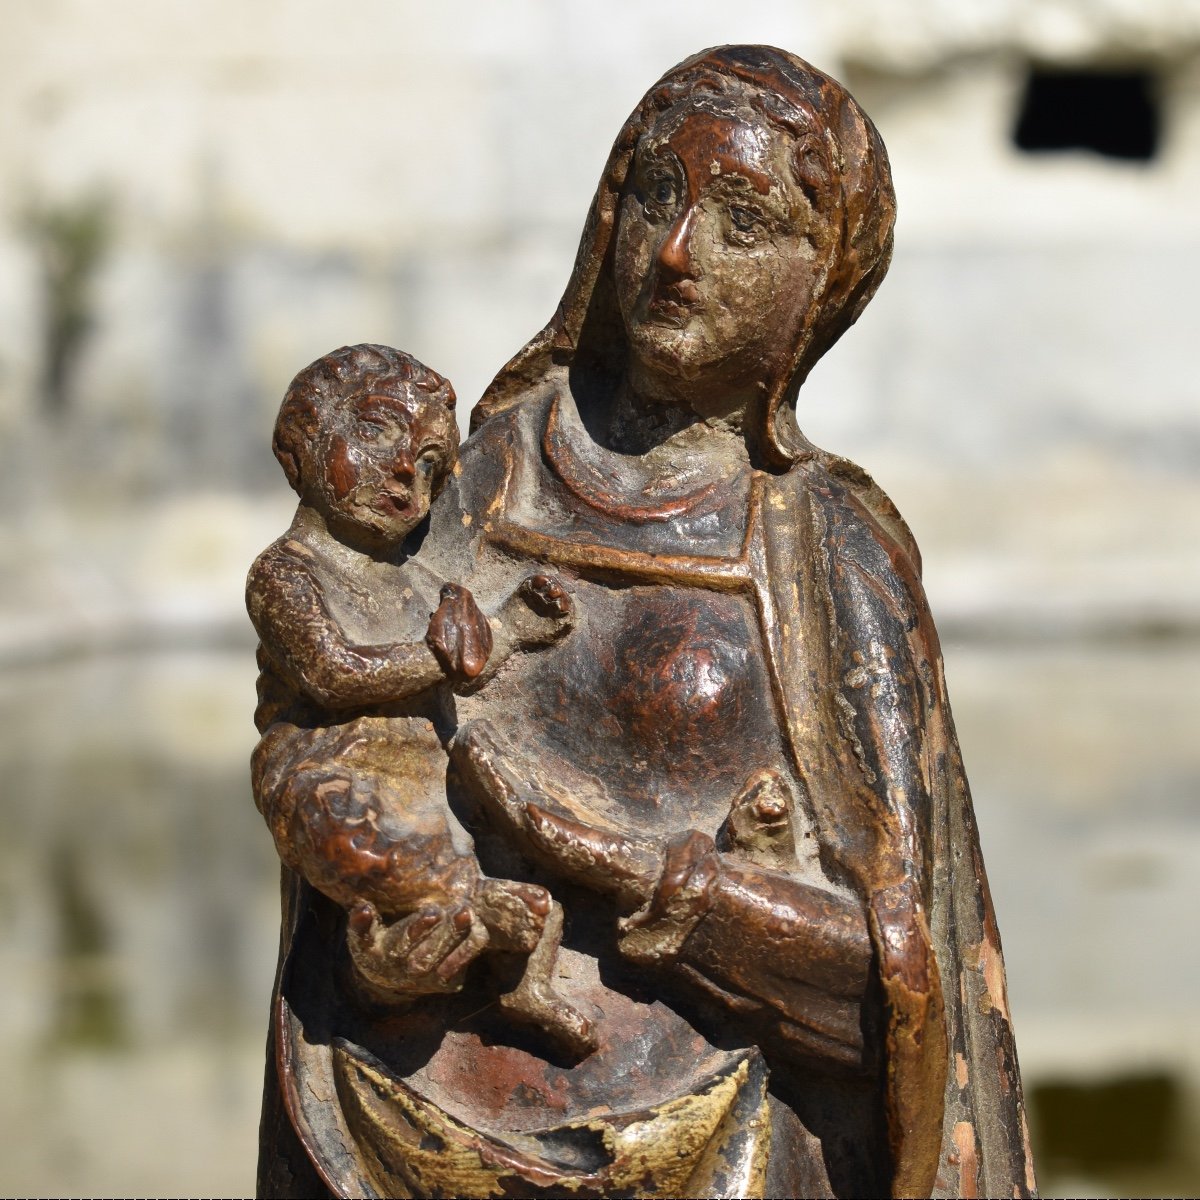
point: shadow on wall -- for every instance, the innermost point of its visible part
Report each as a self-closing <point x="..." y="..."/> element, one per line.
<point x="72" y="240"/>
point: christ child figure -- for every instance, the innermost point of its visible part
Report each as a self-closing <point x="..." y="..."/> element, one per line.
<point x="356" y="691"/>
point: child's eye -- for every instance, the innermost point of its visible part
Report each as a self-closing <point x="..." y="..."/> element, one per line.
<point x="369" y="431"/>
<point x="428" y="460"/>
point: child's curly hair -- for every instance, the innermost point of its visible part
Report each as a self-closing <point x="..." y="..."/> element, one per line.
<point x="340" y="376"/>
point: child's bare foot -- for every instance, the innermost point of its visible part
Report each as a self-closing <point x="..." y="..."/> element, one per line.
<point x="513" y="913"/>
<point x="546" y="596"/>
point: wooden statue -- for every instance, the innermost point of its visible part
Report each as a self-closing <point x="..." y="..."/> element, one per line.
<point x="628" y="849"/>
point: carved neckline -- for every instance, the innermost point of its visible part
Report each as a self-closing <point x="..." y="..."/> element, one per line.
<point x="608" y="489"/>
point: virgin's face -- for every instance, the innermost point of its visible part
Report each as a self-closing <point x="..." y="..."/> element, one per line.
<point x="715" y="250"/>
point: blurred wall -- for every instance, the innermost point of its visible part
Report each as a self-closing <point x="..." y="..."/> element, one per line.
<point x="200" y="199"/>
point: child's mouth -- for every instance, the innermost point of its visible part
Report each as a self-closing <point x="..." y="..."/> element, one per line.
<point x="394" y="501"/>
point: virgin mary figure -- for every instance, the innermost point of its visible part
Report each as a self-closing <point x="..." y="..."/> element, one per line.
<point x="739" y="772"/>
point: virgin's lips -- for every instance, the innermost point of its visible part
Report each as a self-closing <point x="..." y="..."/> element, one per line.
<point x="675" y="302"/>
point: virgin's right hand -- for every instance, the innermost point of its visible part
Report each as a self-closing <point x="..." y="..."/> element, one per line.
<point x="425" y="953"/>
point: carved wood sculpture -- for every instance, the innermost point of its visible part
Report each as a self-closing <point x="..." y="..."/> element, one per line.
<point x="653" y="663"/>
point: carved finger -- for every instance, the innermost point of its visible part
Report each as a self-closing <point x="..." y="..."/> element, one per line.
<point x="426" y="948"/>
<point x="369" y="940"/>
<point x="384" y="944"/>
<point x="546" y="596"/>
<point x="415" y="929"/>
<point x="362" y="918"/>
<point x="690" y="867"/>
<point x="474" y="939"/>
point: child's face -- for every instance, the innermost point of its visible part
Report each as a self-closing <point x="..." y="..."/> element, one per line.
<point x="380" y="459"/>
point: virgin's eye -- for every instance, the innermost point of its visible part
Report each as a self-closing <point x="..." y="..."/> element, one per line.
<point x="428" y="460"/>
<point x="369" y="431"/>
<point x="659" y="192"/>
<point x="746" y="220"/>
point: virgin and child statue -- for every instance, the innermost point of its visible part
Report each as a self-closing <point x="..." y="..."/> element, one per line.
<point x="627" y="846"/>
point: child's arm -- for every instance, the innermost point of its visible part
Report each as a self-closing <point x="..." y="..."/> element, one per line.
<point x="284" y="598"/>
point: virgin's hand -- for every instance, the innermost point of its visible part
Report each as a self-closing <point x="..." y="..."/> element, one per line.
<point x="459" y="634"/>
<point x="681" y="900"/>
<point x="425" y="953"/>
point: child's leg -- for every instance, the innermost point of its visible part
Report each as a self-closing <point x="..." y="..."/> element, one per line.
<point x="534" y="1000"/>
<point x="360" y="811"/>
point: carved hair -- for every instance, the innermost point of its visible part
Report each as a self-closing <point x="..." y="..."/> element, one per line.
<point x="323" y="388"/>
<point x="729" y="96"/>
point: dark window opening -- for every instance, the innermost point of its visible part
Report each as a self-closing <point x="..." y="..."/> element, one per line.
<point x="1114" y="113"/>
<point x="1118" y="1122"/>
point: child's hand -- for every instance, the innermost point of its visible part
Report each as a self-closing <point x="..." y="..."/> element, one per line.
<point x="459" y="634"/>
<point x="425" y="953"/>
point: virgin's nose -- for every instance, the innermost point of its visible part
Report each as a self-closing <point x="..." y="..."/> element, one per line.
<point x="675" y="253"/>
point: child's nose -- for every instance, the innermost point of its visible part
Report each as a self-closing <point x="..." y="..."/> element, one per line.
<point x="403" y="467"/>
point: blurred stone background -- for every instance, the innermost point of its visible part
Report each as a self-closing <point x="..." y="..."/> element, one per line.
<point x="198" y="199"/>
